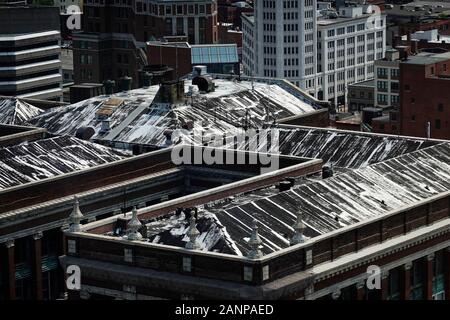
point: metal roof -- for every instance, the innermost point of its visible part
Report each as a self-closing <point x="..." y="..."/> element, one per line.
<point x="16" y="111"/>
<point x="46" y="158"/>
<point x="326" y="205"/>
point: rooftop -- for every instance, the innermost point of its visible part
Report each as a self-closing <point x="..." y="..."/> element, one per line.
<point x="424" y="58"/>
<point x="134" y="118"/>
<point x="15" y="111"/>
<point x="47" y="158"/>
<point x="326" y="205"/>
<point x="367" y="83"/>
<point x="345" y="149"/>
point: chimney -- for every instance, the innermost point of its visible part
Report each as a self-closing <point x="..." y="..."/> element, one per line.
<point x="284" y="186"/>
<point x="403" y="50"/>
<point x="397" y="41"/>
<point x="327" y="172"/>
<point x="171" y="92"/>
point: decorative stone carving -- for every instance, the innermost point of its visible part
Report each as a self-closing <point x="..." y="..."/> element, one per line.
<point x="9" y="244"/>
<point x="192" y="233"/>
<point x="133" y="226"/>
<point x="255" y="243"/>
<point x="299" y="228"/>
<point x="75" y="217"/>
<point x="37" y="236"/>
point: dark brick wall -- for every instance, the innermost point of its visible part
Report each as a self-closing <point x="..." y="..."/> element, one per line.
<point x="27" y="20"/>
<point x="425" y="98"/>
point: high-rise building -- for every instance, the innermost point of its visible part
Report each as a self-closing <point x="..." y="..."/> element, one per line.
<point x="113" y="41"/>
<point x="30" y="65"/>
<point x="321" y="51"/>
<point x="285" y="34"/>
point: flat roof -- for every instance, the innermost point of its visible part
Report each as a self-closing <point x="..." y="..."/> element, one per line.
<point x="427" y="58"/>
<point x="367" y="83"/>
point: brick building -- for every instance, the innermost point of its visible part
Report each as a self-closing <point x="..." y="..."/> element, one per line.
<point x="341" y="228"/>
<point x="230" y="11"/>
<point x="424" y="96"/>
<point x="113" y="41"/>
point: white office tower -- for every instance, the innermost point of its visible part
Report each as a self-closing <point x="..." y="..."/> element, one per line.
<point x="284" y="37"/>
<point x="318" y="48"/>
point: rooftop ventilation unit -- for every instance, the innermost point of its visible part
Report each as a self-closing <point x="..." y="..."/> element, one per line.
<point x="199" y="71"/>
<point x="204" y="83"/>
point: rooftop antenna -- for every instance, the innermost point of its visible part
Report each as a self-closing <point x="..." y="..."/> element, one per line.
<point x="428" y="130"/>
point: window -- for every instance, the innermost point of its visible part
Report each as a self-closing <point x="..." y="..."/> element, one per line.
<point x="437" y="124"/>
<point x="438" y="276"/>
<point x="417" y="278"/>
<point x="395" y="73"/>
<point x="394" y="288"/>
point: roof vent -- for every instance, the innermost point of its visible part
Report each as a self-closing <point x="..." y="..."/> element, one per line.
<point x="106" y="126"/>
<point x="204" y="83"/>
<point x="285" y="186"/>
<point x="199" y="71"/>
<point x="327" y="172"/>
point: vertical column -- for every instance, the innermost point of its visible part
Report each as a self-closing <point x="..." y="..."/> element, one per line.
<point x="406" y="290"/>
<point x="61" y="273"/>
<point x="447" y="273"/>
<point x="11" y="270"/>
<point x="361" y="290"/>
<point x="37" y="266"/>
<point x="429" y="277"/>
<point x="197" y="32"/>
<point x="174" y="25"/>
<point x="185" y="26"/>
<point x="385" y="285"/>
